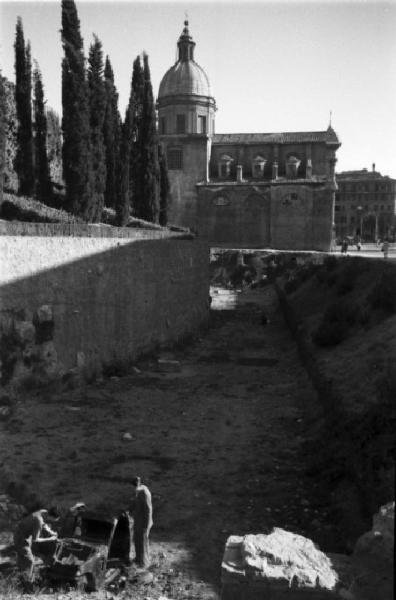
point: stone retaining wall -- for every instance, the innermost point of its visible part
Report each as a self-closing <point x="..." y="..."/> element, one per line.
<point x="83" y="297"/>
<point x="11" y="228"/>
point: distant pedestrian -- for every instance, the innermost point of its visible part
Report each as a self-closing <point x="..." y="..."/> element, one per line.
<point x="385" y="248"/>
<point x="141" y="510"/>
<point x="344" y="246"/>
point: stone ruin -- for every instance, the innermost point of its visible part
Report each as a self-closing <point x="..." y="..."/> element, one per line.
<point x="282" y="565"/>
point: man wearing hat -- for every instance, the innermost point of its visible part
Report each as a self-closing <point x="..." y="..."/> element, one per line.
<point x="71" y="526"/>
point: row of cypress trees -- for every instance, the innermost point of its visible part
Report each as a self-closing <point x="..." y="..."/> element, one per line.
<point x="107" y="161"/>
<point x="31" y="162"/>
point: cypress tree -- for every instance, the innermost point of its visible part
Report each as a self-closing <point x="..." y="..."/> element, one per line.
<point x="43" y="181"/>
<point x="122" y="204"/>
<point x="129" y="158"/>
<point x="111" y="135"/>
<point x="164" y="187"/>
<point x="97" y="107"/>
<point x="3" y="118"/>
<point x="54" y="146"/>
<point x="146" y="196"/>
<point x="136" y="111"/>
<point x="76" y="152"/>
<point x="24" y="165"/>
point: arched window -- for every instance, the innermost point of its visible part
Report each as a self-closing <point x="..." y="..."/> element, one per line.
<point x="224" y="166"/>
<point x="258" y="164"/>
<point x="292" y="164"/>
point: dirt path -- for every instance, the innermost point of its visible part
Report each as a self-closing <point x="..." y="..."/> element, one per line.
<point x="219" y="444"/>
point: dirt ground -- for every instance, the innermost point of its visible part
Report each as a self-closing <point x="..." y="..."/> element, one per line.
<point x="220" y="445"/>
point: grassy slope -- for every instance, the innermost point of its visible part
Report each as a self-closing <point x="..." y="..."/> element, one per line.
<point x="21" y="208"/>
<point x="359" y="362"/>
<point x="353" y="443"/>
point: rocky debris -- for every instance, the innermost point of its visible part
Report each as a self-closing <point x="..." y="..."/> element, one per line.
<point x="27" y="350"/>
<point x="165" y="365"/>
<point x="282" y="556"/>
<point x="25" y="331"/>
<point x="251" y="360"/>
<point x="278" y="565"/>
<point x="7" y="406"/>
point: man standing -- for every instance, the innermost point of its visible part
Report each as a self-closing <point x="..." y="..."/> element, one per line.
<point x="142" y="512"/>
<point x="34" y="535"/>
<point x="385" y="248"/>
<point x="72" y="522"/>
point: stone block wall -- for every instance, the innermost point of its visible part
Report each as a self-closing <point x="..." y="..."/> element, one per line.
<point x="182" y="206"/>
<point x="282" y="216"/>
<point x="87" y="296"/>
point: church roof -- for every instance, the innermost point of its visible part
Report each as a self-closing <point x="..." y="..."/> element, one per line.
<point x="185" y="77"/>
<point x="295" y="137"/>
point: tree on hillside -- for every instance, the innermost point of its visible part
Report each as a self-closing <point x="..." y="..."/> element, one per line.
<point x="54" y="146"/>
<point x="43" y="182"/>
<point x="10" y="177"/>
<point x="111" y="135"/>
<point x="97" y="107"/>
<point x="24" y="164"/>
<point x="146" y="189"/>
<point x="129" y="157"/>
<point x="163" y="187"/>
<point x="136" y="111"/>
<point x="122" y="205"/>
<point x="3" y="120"/>
<point x="77" y="166"/>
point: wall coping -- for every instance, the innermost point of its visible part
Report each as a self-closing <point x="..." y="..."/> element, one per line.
<point x="21" y="228"/>
<point x="263" y="183"/>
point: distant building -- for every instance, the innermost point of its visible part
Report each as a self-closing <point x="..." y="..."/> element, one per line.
<point x="242" y="189"/>
<point x="365" y="205"/>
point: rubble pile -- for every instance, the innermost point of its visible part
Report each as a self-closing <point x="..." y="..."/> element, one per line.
<point x="283" y="556"/>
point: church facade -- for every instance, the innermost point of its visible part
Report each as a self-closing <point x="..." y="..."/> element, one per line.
<point x="268" y="190"/>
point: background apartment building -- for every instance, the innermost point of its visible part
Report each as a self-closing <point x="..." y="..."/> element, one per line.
<point x="365" y="205"/>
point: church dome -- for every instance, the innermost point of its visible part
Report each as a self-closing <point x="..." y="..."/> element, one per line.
<point x="186" y="77"/>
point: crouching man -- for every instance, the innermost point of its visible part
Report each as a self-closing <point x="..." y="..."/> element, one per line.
<point x="34" y="536"/>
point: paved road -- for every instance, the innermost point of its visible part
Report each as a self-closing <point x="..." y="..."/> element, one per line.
<point x="370" y="251"/>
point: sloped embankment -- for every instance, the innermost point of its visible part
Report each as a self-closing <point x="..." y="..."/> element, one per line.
<point x="343" y="314"/>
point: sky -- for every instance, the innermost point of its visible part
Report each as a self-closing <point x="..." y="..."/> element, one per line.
<point x="273" y="66"/>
